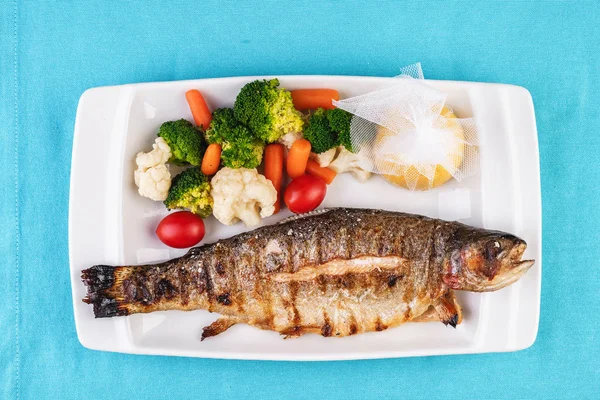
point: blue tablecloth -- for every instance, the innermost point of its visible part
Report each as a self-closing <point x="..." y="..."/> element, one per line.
<point x="51" y="51"/>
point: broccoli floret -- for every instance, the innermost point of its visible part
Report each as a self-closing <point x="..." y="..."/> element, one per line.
<point x="242" y="154"/>
<point x="319" y="133"/>
<point x="191" y="190"/>
<point x="240" y="148"/>
<point x="328" y="129"/>
<point x="267" y="110"/>
<point x="223" y="121"/>
<point x="339" y="122"/>
<point x="185" y="140"/>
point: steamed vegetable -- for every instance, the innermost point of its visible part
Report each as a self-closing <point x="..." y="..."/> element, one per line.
<point x="199" y="109"/>
<point x="319" y="133"/>
<point x="221" y="125"/>
<point x="339" y="122"/>
<point x="310" y="99"/>
<point x="325" y="158"/>
<point x="181" y="230"/>
<point x="242" y="153"/>
<point x="328" y="129"/>
<point x="152" y="176"/>
<point x="191" y="190"/>
<point x="341" y="157"/>
<point x="297" y="158"/>
<point x="274" y="169"/>
<point x="327" y="174"/>
<point x="211" y="160"/>
<point x="346" y="161"/>
<point x="304" y="194"/>
<point x="240" y="147"/>
<point x="289" y="138"/>
<point x="242" y="194"/>
<point x="267" y="110"/>
<point x="185" y="141"/>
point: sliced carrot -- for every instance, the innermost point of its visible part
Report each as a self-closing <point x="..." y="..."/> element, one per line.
<point x="313" y="168"/>
<point x="310" y="99"/>
<point x="211" y="160"/>
<point x="297" y="158"/>
<point x="274" y="169"/>
<point x="199" y="109"/>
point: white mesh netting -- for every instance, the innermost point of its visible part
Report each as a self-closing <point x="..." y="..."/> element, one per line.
<point x="406" y="133"/>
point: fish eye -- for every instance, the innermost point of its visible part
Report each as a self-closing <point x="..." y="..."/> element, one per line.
<point x="492" y="249"/>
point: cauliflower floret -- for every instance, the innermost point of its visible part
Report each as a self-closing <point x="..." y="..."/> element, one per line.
<point x="289" y="138"/>
<point x="346" y="161"/>
<point x="242" y="194"/>
<point x="325" y="158"/>
<point x="152" y="176"/>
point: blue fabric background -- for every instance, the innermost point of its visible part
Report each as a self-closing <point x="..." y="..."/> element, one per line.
<point x="51" y="51"/>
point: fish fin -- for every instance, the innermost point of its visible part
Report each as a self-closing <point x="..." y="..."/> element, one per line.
<point x="307" y="214"/>
<point x="428" y="316"/>
<point x="219" y="326"/>
<point x="448" y="310"/>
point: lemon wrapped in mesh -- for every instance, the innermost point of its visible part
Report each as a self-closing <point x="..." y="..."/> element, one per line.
<point x="407" y="134"/>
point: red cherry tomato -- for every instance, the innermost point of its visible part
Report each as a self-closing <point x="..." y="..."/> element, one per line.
<point x="180" y="230"/>
<point x="305" y="193"/>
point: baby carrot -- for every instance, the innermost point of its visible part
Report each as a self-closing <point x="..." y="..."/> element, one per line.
<point x="211" y="160"/>
<point x="297" y="158"/>
<point x="313" y="168"/>
<point x="199" y="109"/>
<point x="274" y="169"/>
<point x="310" y="99"/>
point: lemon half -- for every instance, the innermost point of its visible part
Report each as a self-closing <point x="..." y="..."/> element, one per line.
<point x="403" y="172"/>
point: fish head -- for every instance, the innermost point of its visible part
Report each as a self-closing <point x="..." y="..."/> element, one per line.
<point x="483" y="260"/>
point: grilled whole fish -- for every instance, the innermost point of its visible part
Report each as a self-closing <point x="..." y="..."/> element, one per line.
<point x="337" y="272"/>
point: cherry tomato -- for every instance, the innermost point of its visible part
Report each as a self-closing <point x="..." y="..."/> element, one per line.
<point x="305" y="193"/>
<point x="180" y="230"/>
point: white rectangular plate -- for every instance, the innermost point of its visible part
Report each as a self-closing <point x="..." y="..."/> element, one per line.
<point x="109" y="223"/>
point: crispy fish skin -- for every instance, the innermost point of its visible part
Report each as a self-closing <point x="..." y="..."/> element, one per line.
<point x="337" y="272"/>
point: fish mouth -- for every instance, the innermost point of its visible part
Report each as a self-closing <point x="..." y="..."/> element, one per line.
<point x="511" y="275"/>
<point x="525" y="264"/>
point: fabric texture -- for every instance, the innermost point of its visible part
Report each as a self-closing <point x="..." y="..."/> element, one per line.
<point x="51" y="51"/>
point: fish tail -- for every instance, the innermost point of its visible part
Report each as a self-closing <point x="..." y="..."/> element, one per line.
<point x="100" y="281"/>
